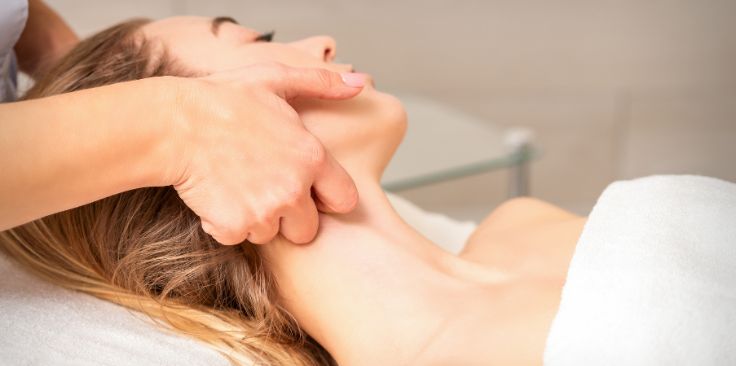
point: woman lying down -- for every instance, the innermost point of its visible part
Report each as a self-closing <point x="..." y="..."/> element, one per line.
<point x="370" y="290"/>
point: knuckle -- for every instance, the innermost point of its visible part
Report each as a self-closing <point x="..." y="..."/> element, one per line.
<point x="314" y="152"/>
<point x="263" y="232"/>
<point x="254" y="238"/>
<point x="276" y="70"/>
<point x="233" y="227"/>
<point x="325" y="77"/>
<point x="298" y="238"/>
<point x="228" y="235"/>
<point x="305" y="235"/>
<point x="291" y="195"/>
<point x="263" y="219"/>
<point x="236" y="236"/>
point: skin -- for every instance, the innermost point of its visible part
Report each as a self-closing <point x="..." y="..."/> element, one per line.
<point x="219" y="158"/>
<point x="235" y="47"/>
<point x="370" y="288"/>
<point x="207" y="137"/>
<point x="69" y="158"/>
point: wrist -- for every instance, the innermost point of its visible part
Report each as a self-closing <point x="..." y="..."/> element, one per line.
<point x="163" y="120"/>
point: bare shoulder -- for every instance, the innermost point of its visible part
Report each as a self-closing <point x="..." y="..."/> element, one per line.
<point x="523" y="211"/>
<point x="524" y="234"/>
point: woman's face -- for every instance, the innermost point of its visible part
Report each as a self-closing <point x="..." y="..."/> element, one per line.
<point x="362" y="132"/>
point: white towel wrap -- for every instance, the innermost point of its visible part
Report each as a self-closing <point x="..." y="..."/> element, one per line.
<point x="653" y="278"/>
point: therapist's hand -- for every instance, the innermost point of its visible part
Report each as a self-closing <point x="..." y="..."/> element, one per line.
<point x="243" y="160"/>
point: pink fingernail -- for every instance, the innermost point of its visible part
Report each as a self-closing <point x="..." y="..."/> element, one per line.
<point x="353" y="79"/>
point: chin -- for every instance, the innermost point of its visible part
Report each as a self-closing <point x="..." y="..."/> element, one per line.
<point x="363" y="133"/>
<point x="393" y="115"/>
<point x="393" y="112"/>
<point x="391" y="131"/>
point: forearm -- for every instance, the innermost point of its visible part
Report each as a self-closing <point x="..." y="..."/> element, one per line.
<point x="68" y="150"/>
<point x="45" y="39"/>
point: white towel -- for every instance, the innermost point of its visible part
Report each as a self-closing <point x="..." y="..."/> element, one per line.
<point x="42" y="324"/>
<point x="653" y="278"/>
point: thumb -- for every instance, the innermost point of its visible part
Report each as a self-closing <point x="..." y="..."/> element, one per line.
<point x="317" y="83"/>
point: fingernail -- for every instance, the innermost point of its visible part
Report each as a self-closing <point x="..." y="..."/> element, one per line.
<point x="353" y="79"/>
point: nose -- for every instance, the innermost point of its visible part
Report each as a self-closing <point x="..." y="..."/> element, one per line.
<point x="322" y="47"/>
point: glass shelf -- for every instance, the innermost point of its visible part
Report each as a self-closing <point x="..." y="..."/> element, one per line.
<point x="443" y="143"/>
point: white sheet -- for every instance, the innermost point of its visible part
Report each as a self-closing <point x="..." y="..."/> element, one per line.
<point x="42" y="324"/>
<point x="653" y="278"/>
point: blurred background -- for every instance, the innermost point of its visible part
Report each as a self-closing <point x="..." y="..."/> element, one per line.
<point x="612" y="89"/>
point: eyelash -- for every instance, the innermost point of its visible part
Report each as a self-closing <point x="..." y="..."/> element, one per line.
<point x="265" y="37"/>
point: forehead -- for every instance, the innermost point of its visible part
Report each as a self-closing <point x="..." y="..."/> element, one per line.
<point x="179" y="24"/>
<point x="191" y="25"/>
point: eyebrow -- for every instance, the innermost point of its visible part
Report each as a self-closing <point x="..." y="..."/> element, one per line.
<point x="217" y="21"/>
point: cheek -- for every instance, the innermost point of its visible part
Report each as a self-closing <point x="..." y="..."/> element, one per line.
<point x="226" y="58"/>
<point x="335" y="133"/>
<point x="217" y="56"/>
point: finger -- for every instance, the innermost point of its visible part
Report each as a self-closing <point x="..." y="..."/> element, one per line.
<point x="317" y="83"/>
<point x="334" y="188"/>
<point x="264" y="231"/>
<point x="223" y="236"/>
<point x="300" y="223"/>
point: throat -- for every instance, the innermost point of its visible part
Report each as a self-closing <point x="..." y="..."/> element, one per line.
<point x="369" y="284"/>
<point x="376" y="214"/>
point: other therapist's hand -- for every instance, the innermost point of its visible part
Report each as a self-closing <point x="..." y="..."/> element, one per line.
<point x="245" y="163"/>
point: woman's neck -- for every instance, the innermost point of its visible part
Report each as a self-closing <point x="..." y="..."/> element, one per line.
<point x="370" y="286"/>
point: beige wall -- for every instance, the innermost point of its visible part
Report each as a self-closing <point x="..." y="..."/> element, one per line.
<point x="612" y="89"/>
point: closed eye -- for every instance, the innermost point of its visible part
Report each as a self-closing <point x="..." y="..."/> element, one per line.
<point x="217" y="22"/>
<point x="265" y="37"/>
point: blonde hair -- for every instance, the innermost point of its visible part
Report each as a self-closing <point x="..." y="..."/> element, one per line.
<point x="144" y="249"/>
